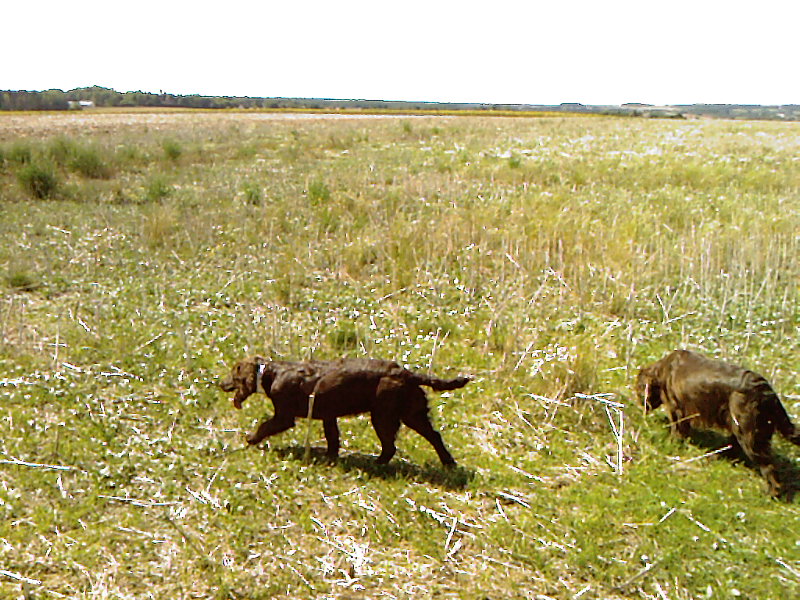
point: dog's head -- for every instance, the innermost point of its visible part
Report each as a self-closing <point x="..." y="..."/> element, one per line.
<point x="648" y="388"/>
<point x="243" y="379"/>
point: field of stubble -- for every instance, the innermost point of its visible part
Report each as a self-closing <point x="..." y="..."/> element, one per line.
<point x="142" y="253"/>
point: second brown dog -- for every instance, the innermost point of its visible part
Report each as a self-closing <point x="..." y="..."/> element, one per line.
<point x="391" y="394"/>
<point x="700" y="392"/>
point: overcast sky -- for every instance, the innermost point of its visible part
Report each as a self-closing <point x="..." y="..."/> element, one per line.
<point x="589" y="51"/>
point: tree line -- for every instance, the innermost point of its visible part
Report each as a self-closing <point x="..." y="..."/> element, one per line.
<point x="105" y="97"/>
<point x="100" y="96"/>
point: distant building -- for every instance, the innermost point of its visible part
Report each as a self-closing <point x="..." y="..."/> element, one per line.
<point x="80" y="104"/>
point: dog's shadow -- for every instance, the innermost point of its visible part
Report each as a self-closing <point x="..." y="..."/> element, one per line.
<point x="452" y="478"/>
<point x="788" y="473"/>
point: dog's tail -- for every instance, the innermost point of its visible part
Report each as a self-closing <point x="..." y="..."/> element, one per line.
<point x="439" y="385"/>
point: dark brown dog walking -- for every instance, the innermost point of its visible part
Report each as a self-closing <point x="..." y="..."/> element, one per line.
<point x="700" y="392"/>
<point x="349" y="386"/>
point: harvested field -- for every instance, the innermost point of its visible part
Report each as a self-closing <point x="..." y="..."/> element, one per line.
<point x="142" y="253"/>
<point x="14" y="126"/>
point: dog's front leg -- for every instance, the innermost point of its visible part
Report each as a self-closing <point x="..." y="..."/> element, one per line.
<point x="386" y="426"/>
<point x="270" y="427"/>
<point x="331" y="436"/>
<point x="679" y="423"/>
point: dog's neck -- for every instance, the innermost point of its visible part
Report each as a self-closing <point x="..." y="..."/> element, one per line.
<point x="262" y="367"/>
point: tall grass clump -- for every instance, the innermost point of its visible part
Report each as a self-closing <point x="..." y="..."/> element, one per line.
<point x="172" y="149"/>
<point x="157" y="188"/>
<point x="253" y="193"/>
<point x="130" y="154"/>
<point x="159" y="226"/>
<point x="89" y="162"/>
<point x="22" y="279"/>
<point x="318" y="191"/>
<point x="20" y="153"/>
<point x="61" y="150"/>
<point x="38" y="179"/>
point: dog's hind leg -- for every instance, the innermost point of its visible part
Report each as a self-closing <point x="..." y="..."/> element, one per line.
<point x="754" y="432"/>
<point x="331" y="436"/>
<point x="760" y="453"/>
<point x="421" y="423"/>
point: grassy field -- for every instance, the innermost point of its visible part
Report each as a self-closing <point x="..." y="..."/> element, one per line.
<point x="141" y="254"/>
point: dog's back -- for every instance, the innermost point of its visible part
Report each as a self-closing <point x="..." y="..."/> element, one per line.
<point x="702" y="387"/>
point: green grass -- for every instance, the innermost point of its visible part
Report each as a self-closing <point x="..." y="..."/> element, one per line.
<point x="548" y="257"/>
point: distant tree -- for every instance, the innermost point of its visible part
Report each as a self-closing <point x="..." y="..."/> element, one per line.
<point x="54" y="100"/>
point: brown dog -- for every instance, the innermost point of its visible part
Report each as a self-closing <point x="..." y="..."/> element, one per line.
<point x="700" y="392"/>
<point x="342" y="387"/>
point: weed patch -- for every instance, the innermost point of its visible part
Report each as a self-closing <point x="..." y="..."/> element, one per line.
<point x="39" y="180"/>
<point x="318" y="192"/>
<point x="89" y="163"/>
<point x="157" y="188"/>
<point x="22" y="280"/>
<point x="172" y="149"/>
<point x="20" y="153"/>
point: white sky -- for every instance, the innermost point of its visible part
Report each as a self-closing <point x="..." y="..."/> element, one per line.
<point x="539" y="52"/>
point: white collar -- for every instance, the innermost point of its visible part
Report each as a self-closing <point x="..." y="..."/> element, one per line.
<point x="262" y="367"/>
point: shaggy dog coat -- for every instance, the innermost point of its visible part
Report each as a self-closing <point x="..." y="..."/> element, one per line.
<point x="391" y="394"/>
<point x="703" y="393"/>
